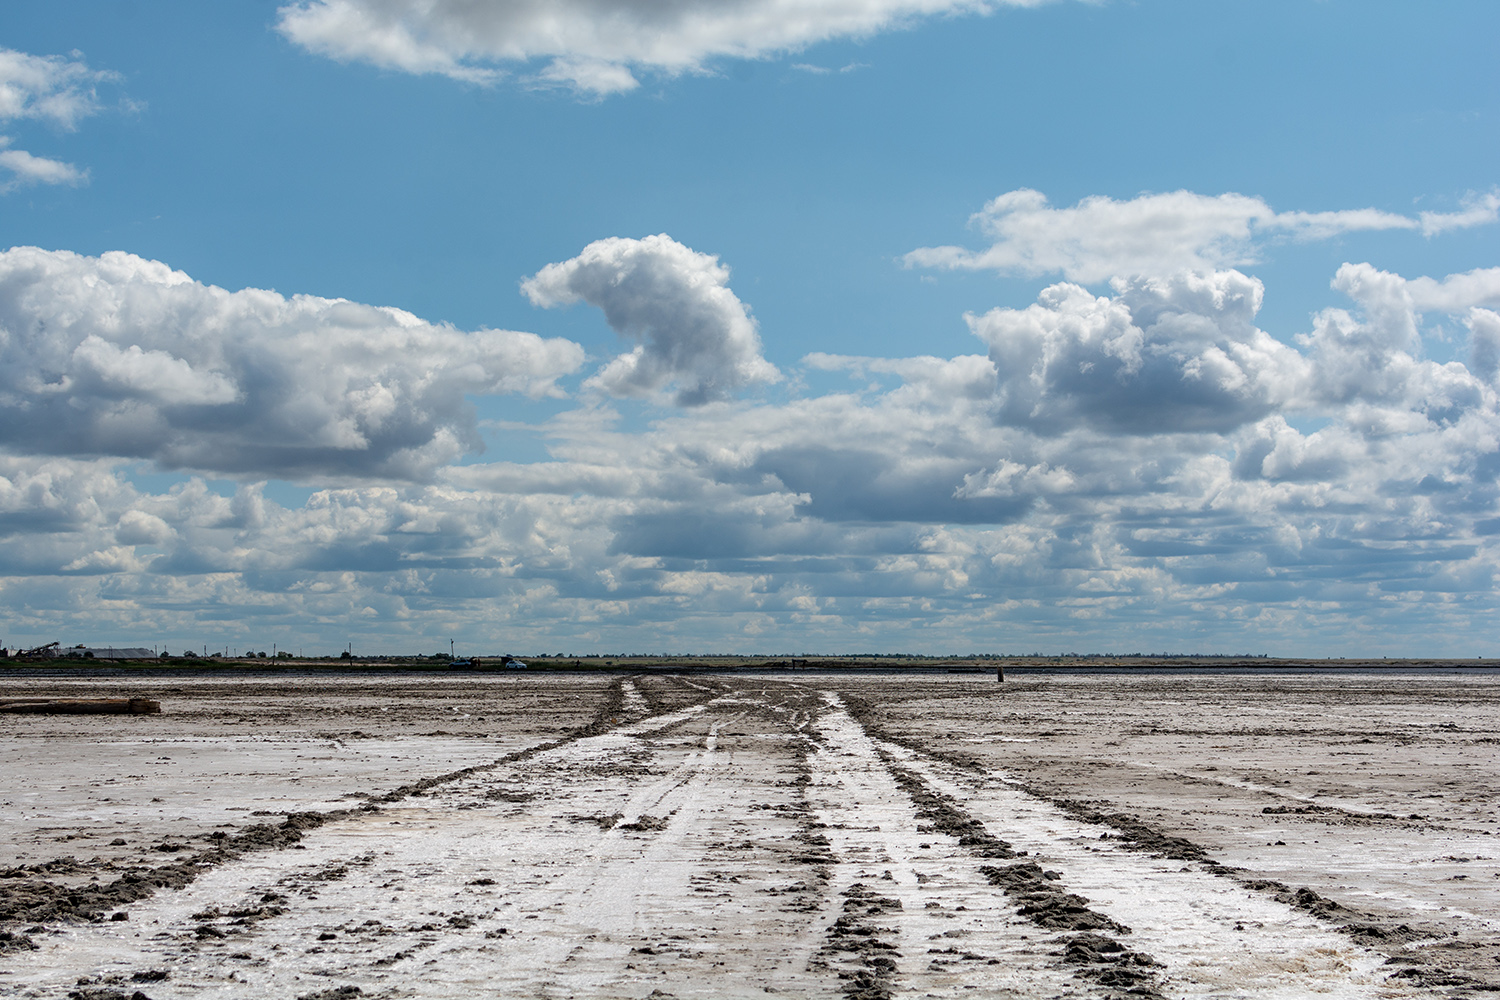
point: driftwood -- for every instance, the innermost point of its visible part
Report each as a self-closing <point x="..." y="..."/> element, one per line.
<point x="80" y="706"/>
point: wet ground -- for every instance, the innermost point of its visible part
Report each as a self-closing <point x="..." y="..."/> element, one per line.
<point x="870" y="836"/>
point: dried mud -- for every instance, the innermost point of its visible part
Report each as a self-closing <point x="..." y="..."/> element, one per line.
<point x="707" y="836"/>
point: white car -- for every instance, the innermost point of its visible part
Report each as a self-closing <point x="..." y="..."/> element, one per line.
<point x="514" y="665"/>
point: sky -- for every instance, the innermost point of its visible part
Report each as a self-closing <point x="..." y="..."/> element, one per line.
<point x="751" y="326"/>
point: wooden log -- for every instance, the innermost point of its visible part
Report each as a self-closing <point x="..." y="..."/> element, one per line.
<point x="80" y="706"/>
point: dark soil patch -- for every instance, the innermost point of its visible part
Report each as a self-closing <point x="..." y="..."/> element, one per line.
<point x="337" y="993"/>
<point x="1044" y="901"/>
<point x="1110" y="964"/>
<point x="861" y="955"/>
<point x="646" y="824"/>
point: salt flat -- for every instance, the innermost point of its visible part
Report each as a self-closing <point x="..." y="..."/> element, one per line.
<point x="1201" y="834"/>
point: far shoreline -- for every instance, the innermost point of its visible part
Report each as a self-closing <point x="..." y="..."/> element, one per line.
<point x="1018" y="666"/>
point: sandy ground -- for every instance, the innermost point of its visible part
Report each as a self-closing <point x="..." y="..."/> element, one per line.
<point x="564" y="835"/>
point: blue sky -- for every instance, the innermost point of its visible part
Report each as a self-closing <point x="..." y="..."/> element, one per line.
<point x="970" y="326"/>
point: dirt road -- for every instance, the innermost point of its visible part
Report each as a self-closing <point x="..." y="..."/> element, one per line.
<point x="706" y="837"/>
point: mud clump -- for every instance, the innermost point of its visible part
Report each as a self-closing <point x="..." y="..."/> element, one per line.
<point x="337" y="993"/>
<point x="1362" y="927"/>
<point x="1109" y="963"/>
<point x="58" y="866"/>
<point x="269" y="836"/>
<point x="604" y="821"/>
<point x="1333" y="813"/>
<point x="856" y="949"/>
<point x="1430" y="976"/>
<point x="106" y="987"/>
<point x="646" y="824"/>
<point x="818" y="849"/>
<point x="41" y="901"/>
<point x="1303" y="898"/>
<point x="815" y="851"/>
<point x="15" y="941"/>
<point x="1132" y="831"/>
<point x="943" y="815"/>
<point x="1045" y="903"/>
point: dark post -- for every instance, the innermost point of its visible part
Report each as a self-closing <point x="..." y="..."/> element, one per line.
<point x="1000" y="673"/>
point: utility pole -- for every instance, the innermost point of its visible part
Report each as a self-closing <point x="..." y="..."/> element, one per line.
<point x="450" y="649"/>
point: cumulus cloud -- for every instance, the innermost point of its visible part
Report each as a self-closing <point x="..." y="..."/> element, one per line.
<point x="49" y="89"/>
<point x="1163" y="355"/>
<point x="1267" y="489"/>
<point x="1101" y="238"/>
<point x="694" y="332"/>
<point x="593" y="46"/>
<point x="1373" y="359"/>
<point x="121" y="356"/>
<point x="1484" y="343"/>
<point x="1453" y="294"/>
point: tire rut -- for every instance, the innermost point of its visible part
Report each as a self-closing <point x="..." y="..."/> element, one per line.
<point x="1198" y="933"/>
<point x="500" y="877"/>
<point x="1400" y="942"/>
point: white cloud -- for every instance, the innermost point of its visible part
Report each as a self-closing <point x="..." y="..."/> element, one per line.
<point x="1165" y="355"/>
<point x="1455" y="293"/>
<point x="595" y="46"/>
<point x="49" y="89"/>
<point x="1372" y="360"/>
<point x="28" y="169"/>
<point x="694" y="332"/>
<point x="1009" y="479"/>
<point x="975" y="502"/>
<point x="1478" y="210"/>
<point x="1484" y="343"/>
<point x="136" y="527"/>
<point x="1100" y="237"/>
<point x="117" y="355"/>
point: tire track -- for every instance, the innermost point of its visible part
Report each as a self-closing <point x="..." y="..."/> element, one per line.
<point x="1213" y="937"/>
<point x="41" y="900"/>
<point x="758" y="839"/>
<point x="953" y="929"/>
<point x="580" y="869"/>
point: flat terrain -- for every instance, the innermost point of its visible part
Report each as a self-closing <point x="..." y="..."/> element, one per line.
<point x="1060" y="835"/>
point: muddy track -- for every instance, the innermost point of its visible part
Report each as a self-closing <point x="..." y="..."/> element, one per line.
<point x="27" y="898"/>
<point x="1368" y="929"/>
<point x="1038" y="894"/>
<point x="701" y="838"/>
